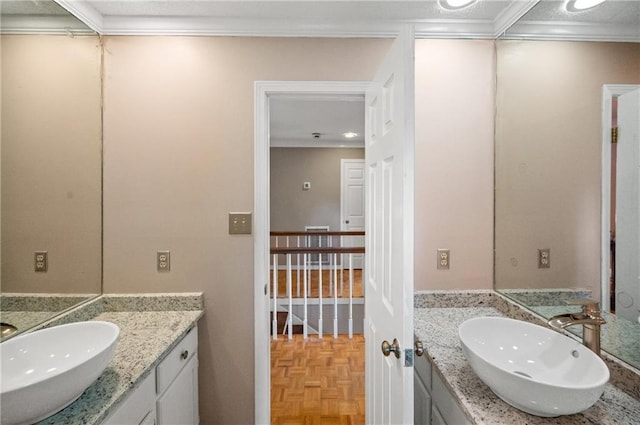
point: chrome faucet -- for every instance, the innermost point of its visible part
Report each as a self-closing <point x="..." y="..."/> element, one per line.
<point x="589" y="318"/>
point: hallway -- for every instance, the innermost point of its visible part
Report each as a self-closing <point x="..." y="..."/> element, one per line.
<point x="317" y="382"/>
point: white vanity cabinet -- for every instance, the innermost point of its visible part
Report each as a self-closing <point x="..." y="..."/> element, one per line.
<point x="139" y="407"/>
<point x="177" y="384"/>
<point x="433" y="403"/>
<point x="169" y="394"/>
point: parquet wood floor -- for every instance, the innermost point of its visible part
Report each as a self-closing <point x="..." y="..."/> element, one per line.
<point x="282" y="283"/>
<point x="317" y="381"/>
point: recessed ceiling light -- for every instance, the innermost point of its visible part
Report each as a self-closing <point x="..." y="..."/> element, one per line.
<point x="456" y="4"/>
<point x="350" y="135"/>
<point x="579" y="5"/>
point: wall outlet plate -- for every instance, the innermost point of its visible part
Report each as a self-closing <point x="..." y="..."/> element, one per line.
<point x="544" y="258"/>
<point x="444" y="259"/>
<point x="163" y="261"/>
<point x="41" y="261"/>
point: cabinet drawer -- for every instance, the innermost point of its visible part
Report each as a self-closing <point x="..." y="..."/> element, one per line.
<point x="177" y="358"/>
<point x="423" y="369"/>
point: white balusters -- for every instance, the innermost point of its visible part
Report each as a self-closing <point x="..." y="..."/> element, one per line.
<point x="314" y="265"/>
<point x="320" y="305"/>
<point x="351" y="296"/>
<point x="305" y="323"/>
<point x="274" y="294"/>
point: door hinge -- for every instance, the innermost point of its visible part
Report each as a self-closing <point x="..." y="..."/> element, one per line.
<point x="408" y="357"/>
<point x="614" y="135"/>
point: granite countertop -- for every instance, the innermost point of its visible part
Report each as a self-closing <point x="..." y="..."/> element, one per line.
<point x="145" y="338"/>
<point x="438" y="329"/>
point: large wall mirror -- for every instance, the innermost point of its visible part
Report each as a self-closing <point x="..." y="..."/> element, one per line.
<point x="51" y="200"/>
<point x="554" y="162"/>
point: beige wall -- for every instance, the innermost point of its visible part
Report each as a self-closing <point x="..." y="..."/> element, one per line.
<point x="293" y="208"/>
<point x="178" y="140"/>
<point x="51" y="156"/>
<point x="454" y="162"/>
<point x="548" y="149"/>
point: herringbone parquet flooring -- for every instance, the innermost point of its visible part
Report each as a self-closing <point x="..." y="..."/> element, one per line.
<point x="317" y="381"/>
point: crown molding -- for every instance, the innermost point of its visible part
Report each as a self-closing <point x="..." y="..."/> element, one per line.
<point x="49" y="25"/>
<point x="85" y="12"/>
<point x="121" y="25"/>
<point x="572" y="31"/>
<point x="322" y="143"/>
<point x="507" y="25"/>
<point x="511" y="15"/>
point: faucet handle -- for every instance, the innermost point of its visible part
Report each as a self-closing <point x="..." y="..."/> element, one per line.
<point x="590" y="306"/>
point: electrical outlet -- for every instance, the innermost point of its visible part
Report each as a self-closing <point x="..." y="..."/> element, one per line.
<point x="444" y="259"/>
<point x="41" y="261"/>
<point x="164" y="261"/>
<point x="544" y="258"/>
<point x="239" y="223"/>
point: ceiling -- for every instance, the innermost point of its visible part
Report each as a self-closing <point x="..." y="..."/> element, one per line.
<point x="615" y="20"/>
<point x="293" y="120"/>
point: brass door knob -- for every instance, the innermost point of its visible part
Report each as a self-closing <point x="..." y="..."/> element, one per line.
<point x="419" y="348"/>
<point x="394" y="347"/>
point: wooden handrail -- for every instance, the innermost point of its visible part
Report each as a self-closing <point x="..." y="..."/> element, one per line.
<point x="318" y="232"/>
<point x="318" y="250"/>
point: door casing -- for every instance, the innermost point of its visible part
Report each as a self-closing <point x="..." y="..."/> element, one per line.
<point x="263" y="91"/>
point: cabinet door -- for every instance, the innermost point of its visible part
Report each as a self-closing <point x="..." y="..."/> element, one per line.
<point x="179" y="403"/>
<point x="437" y="417"/>
<point x="421" y="402"/>
<point x="150" y="419"/>
<point x="138" y="407"/>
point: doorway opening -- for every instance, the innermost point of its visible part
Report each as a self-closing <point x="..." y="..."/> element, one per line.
<point x="314" y="367"/>
<point x="620" y="205"/>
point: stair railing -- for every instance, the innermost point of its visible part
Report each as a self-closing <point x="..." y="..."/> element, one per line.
<point x="290" y="246"/>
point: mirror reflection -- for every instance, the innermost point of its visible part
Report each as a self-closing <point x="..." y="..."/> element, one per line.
<point x="557" y="228"/>
<point x="51" y="163"/>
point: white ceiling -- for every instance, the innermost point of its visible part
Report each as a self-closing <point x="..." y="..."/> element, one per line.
<point x="614" y="20"/>
<point x="293" y="120"/>
<point x="485" y="19"/>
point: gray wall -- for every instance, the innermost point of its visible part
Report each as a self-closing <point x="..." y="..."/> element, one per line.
<point x="292" y="208"/>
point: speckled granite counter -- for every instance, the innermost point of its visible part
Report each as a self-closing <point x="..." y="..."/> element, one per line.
<point x="436" y="324"/>
<point x="150" y="325"/>
<point x="24" y="311"/>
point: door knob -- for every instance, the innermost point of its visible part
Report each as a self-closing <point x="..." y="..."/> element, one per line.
<point x="387" y="348"/>
<point x="419" y="348"/>
<point x="346" y="221"/>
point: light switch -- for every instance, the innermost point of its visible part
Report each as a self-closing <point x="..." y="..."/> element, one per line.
<point x="239" y="223"/>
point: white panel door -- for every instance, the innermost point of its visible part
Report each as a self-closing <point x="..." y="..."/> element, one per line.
<point x="628" y="207"/>
<point x="389" y="241"/>
<point x="352" y="205"/>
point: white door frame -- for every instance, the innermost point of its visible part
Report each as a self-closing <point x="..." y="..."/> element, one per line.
<point x="609" y="91"/>
<point x="262" y="92"/>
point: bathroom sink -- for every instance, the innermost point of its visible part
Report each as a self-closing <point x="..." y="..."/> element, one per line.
<point x="533" y="368"/>
<point x="45" y="371"/>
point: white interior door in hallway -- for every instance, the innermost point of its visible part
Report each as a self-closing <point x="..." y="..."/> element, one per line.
<point x="352" y="206"/>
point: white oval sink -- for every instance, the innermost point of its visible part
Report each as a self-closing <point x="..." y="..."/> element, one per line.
<point x="45" y="371"/>
<point x="533" y="368"/>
